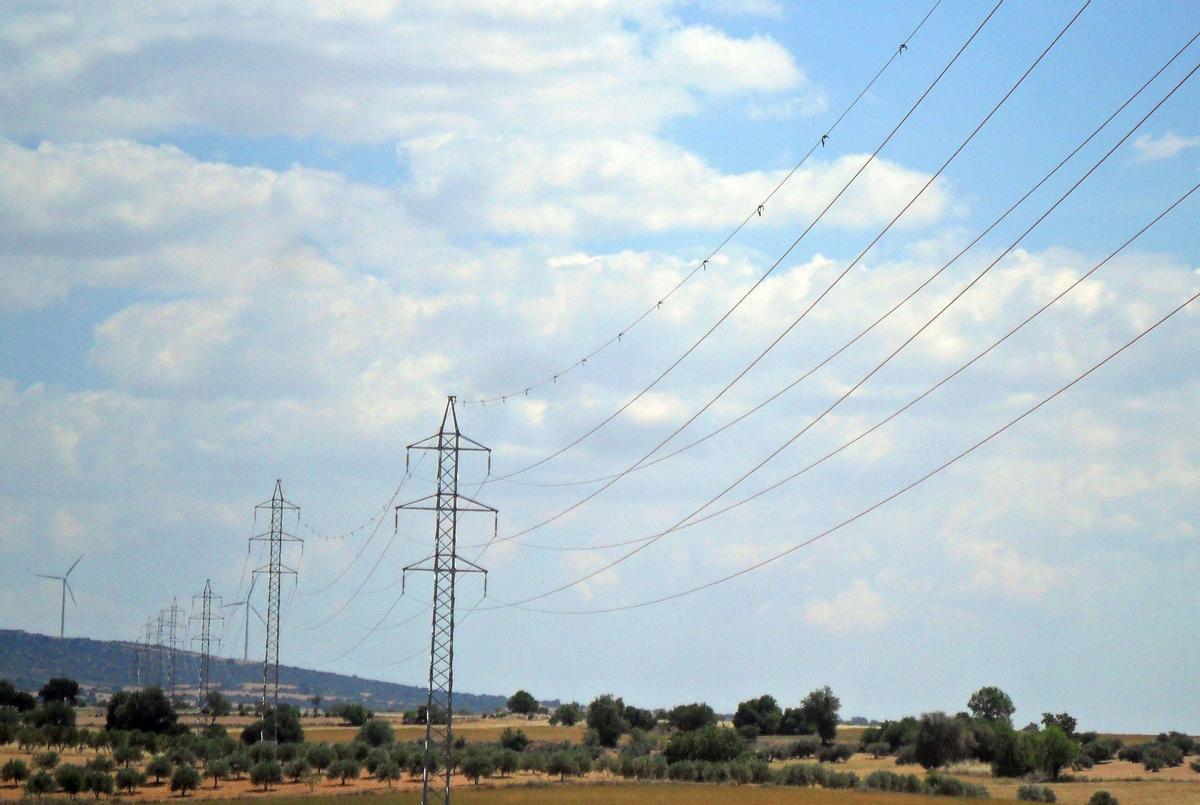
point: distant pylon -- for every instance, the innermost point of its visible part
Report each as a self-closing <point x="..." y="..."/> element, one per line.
<point x="439" y="739"/>
<point x="206" y="641"/>
<point x="143" y="654"/>
<point x="275" y="537"/>
<point x="160" y="651"/>
<point x="171" y="622"/>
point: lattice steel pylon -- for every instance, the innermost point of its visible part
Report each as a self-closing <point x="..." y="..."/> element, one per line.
<point x="448" y="503"/>
<point x="275" y="536"/>
<point x="206" y="641"/>
<point x="159" y="651"/>
<point x="171" y="621"/>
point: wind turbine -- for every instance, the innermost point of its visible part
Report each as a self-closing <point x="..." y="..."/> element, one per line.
<point x="66" y="588"/>
<point x="249" y="608"/>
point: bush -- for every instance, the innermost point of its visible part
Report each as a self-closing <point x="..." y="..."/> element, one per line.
<point x="185" y="779"/>
<point x="940" y="740"/>
<point x="1103" y="798"/>
<point x="69" y="778"/>
<point x="16" y="772"/>
<point x="804" y="747"/>
<point x="40" y="783"/>
<point x="835" y="753"/>
<point x="515" y="740"/>
<point x="883" y="780"/>
<point x="906" y="755"/>
<point x="45" y="760"/>
<point x="1036" y="793"/>
<point x="265" y="773"/>
<point x="712" y="744"/>
<point x="1195" y="765"/>
<point x="877" y="749"/>
<point x="130" y="779"/>
<point x="947" y="786"/>
<point x="376" y="732"/>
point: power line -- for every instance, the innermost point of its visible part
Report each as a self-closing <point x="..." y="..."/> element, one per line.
<point x="880" y="503"/>
<point x="703" y="264"/>
<point x="826" y="291"/>
<point x="757" y="283"/>
<point x="917" y="290"/>
<point x="654" y="538"/>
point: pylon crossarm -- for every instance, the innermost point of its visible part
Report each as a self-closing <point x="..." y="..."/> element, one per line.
<point x="475" y="505"/>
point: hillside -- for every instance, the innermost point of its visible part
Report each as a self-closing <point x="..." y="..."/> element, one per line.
<point x="102" y="666"/>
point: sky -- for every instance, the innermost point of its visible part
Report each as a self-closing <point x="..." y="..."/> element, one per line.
<point x="242" y="242"/>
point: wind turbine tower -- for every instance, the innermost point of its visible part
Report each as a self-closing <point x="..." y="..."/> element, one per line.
<point x="66" y="589"/>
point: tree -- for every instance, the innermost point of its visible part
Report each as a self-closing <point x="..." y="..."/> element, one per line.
<point x="376" y="732"/>
<point x="53" y="714"/>
<point x="40" y="783"/>
<point x="568" y="714"/>
<point x="507" y="762"/>
<point x="216" y="705"/>
<point x="60" y="689"/>
<point x="315" y="701"/>
<point x="320" y="756"/>
<point x="1012" y="752"/>
<point x="45" y="760"/>
<point x="1054" y="749"/>
<point x="606" y="715"/>
<point x="288" y="729"/>
<point x="185" y="779"/>
<point x="478" y="764"/>
<point x="159" y="767"/>
<point x="353" y="714"/>
<point x="686" y="717"/>
<point x="940" y="739"/>
<point x="709" y="743"/>
<point x="14" y="771"/>
<point x="129" y="779"/>
<point x="69" y="778"/>
<point x="345" y="769"/>
<point x="793" y="723"/>
<point x="387" y="772"/>
<point x="516" y="740"/>
<point x="145" y="710"/>
<point x="218" y="770"/>
<point x="992" y="704"/>
<point x="562" y="764"/>
<point x="639" y="718"/>
<point x="1064" y="721"/>
<point x="522" y="703"/>
<point x="1103" y="798"/>
<point x="19" y="699"/>
<point x="297" y="769"/>
<point x="98" y="782"/>
<point x="266" y="773"/>
<point x="820" y="709"/>
<point x="762" y="716"/>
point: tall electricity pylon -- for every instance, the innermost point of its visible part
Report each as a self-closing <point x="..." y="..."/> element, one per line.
<point x="160" y="651"/>
<point x="172" y="619"/>
<point x="206" y="640"/>
<point x="143" y="654"/>
<point x="448" y="503"/>
<point x="275" y="537"/>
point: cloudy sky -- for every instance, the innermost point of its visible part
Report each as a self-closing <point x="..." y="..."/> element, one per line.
<point x="259" y="240"/>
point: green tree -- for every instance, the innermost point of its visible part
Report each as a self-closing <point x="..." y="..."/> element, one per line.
<point x="710" y="744"/>
<point x="507" y="762"/>
<point x="216" y="705"/>
<point x="992" y="704"/>
<point x="130" y="779"/>
<point x="522" y="703"/>
<point x="17" y="699"/>
<point x="14" y="771"/>
<point x="940" y="739"/>
<point x="159" y="767"/>
<point x="146" y="710"/>
<point x="297" y="769"/>
<point x="10" y="723"/>
<point x="266" y="773"/>
<point x="606" y="715"/>
<point x="320" y="756"/>
<point x="353" y="714"/>
<point x="761" y="716"/>
<point x="40" y="783"/>
<point x="387" y="772"/>
<point x="820" y="709"/>
<point x="1103" y="798"/>
<point x="185" y="779"/>
<point x="126" y="754"/>
<point x="515" y="740"/>
<point x="344" y="769"/>
<point x="1054" y="749"/>
<point x="60" y="689"/>
<point x="562" y="764"/>
<point x="478" y="764"/>
<point x="45" y="760"/>
<point x="639" y="718"/>
<point x="98" y="782"/>
<point x="1064" y="721"/>
<point x="69" y="778"/>
<point x="218" y="770"/>
<point x="376" y="732"/>
<point x="1013" y="752"/>
<point x="693" y="716"/>
<point x="568" y="714"/>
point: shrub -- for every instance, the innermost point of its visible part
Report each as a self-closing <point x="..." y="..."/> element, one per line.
<point x="877" y="749"/>
<point x="835" y="753"/>
<point x="804" y="747"/>
<point x="515" y="740"/>
<point x="883" y="780"/>
<point x="16" y="772"/>
<point x="712" y="744"/>
<point x="98" y="782"/>
<point x="266" y="773"/>
<point x="45" y="760"/>
<point x="906" y="755"/>
<point x="1103" y="798"/>
<point x="1036" y="793"/>
<point x="185" y="779"/>
<point x="1195" y="764"/>
<point x="130" y="779"/>
<point x="376" y="732"/>
<point x="40" y="783"/>
<point x="69" y="778"/>
<point x="940" y="740"/>
<point x="947" y="786"/>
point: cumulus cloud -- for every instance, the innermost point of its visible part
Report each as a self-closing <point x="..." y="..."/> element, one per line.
<point x="1152" y="149"/>
<point x="1000" y="568"/>
<point x="856" y="610"/>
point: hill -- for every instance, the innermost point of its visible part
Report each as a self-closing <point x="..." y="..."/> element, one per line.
<point x="103" y="666"/>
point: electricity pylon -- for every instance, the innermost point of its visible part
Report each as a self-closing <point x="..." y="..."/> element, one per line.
<point x="206" y="640"/>
<point x="171" y="619"/>
<point x="143" y="653"/>
<point x="448" y="503"/>
<point x="160" y="651"/>
<point x="275" y="536"/>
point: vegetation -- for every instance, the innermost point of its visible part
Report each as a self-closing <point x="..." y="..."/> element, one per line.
<point x="522" y="703"/>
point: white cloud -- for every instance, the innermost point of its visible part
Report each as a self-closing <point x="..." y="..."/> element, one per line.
<point x="1152" y="149"/>
<point x="856" y="610"/>
<point x="715" y="62"/>
<point x="999" y="567"/>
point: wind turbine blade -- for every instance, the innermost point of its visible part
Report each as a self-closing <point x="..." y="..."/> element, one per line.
<point x="70" y="592"/>
<point x="72" y="567"/>
<point x="41" y="576"/>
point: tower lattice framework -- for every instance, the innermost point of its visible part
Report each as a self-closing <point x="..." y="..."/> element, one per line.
<point x="276" y="536"/>
<point x="445" y="564"/>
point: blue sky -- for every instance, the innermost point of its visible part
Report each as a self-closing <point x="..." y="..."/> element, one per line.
<point x="239" y="243"/>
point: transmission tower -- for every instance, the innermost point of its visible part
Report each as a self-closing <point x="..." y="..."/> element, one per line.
<point x="160" y="651"/>
<point x="206" y="641"/>
<point x="445" y="564"/>
<point x="143" y="653"/>
<point x="275" y="537"/>
<point x="172" y="618"/>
